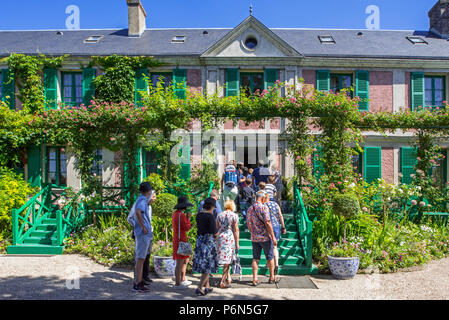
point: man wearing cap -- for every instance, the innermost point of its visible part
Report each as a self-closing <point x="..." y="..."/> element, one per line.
<point x="143" y="232"/>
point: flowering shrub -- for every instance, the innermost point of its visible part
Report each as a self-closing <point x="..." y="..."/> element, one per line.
<point x="162" y="249"/>
<point x="14" y="192"/>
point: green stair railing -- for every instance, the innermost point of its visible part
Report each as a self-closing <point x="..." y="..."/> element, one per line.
<point x="27" y="218"/>
<point x="305" y="227"/>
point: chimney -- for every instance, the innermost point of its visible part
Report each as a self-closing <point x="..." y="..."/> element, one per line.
<point x="136" y="18"/>
<point x="439" y="18"/>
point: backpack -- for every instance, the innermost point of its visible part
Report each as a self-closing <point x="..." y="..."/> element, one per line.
<point x="132" y="216"/>
<point x="230" y="175"/>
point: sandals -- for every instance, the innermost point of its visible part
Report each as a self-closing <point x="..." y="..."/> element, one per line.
<point x="274" y="281"/>
<point x="200" y="293"/>
<point x="256" y="283"/>
<point x="225" y="286"/>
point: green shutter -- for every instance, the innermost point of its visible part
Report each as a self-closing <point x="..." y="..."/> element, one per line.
<point x="34" y="167"/>
<point x="372" y="163"/>
<point x="180" y="83"/>
<point x="184" y="174"/>
<point x="8" y="89"/>
<point x="362" y="89"/>
<point x="139" y="165"/>
<point x="271" y="76"/>
<point x="417" y="90"/>
<point x="408" y="162"/>
<point x="232" y="83"/>
<point x="88" y="85"/>
<point x="140" y="85"/>
<point x="318" y="166"/>
<point x="323" y="80"/>
<point x="51" y="88"/>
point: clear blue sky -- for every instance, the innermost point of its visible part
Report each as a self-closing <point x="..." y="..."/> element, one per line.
<point x="97" y="14"/>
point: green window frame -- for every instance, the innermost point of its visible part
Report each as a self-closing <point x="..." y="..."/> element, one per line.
<point x="430" y="93"/>
<point x="97" y="163"/>
<point x="151" y="163"/>
<point x="72" y="82"/>
<point x="340" y="77"/>
<point x="165" y="77"/>
<point x="357" y="162"/>
<point x="56" y="166"/>
<point x="254" y="83"/>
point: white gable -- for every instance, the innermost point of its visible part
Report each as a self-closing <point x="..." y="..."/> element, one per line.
<point x="264" y="48"/>
<point x="268" y="43"/>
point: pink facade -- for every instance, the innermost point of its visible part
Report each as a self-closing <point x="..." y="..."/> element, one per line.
<point x="388" y="164"/>
<point x="252" y="126"/>
<point x="381" y="91"/>
<point x="194" y="81"/>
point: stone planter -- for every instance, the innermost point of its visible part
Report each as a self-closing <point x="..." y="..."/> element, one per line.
<point x="344" y="268"/>
<point x="164" y="266"/>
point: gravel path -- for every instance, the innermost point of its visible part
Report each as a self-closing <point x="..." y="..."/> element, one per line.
<point x="45" y="277"/>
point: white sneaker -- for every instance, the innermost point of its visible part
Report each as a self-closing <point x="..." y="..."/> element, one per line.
<point x="181" y="286"/>
<point x="186" y="283"/>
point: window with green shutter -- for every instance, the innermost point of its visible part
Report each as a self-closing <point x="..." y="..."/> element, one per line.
<point x="8" y="88"/>
<point x="163" y="78"/>
<point x="372" y="164"/>
<point x="151" y="163"/>
<point x="362" y="89"/>
<point x="97" y="163"/>
<point x="232" y="83"/>
<point x="51" y="89"/>
<point x="72" y="88"/>
<point x="408" y="163"/>
<point x="357" y="162"/>
<point x="88" y="85"/>
<point x="180" y="83"/>
<point x="417" y="90"/>
<point x="252" y="82"/>
<point x="435" y="91"/>
<point x="140" y="85"/>
<point x="323" y="80"/>
<point x="56" y="166"/>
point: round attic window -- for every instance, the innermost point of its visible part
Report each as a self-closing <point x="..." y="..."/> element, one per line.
<point x="251" y="43"/>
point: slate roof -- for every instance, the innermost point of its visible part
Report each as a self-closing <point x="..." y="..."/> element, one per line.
<point x="157" y="42"/>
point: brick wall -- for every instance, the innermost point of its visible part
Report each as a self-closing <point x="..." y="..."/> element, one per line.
<point x="381" y="91"/>
<point x="388" y="164"/>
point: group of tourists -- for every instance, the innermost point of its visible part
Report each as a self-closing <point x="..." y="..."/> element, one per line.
<point x="217" y="242"/>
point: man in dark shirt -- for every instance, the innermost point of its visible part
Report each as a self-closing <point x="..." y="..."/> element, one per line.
<point x="260" y="174"/>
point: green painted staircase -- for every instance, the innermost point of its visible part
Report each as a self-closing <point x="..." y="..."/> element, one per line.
<point x="291" y="254"/>
<point x="43" y="240"/>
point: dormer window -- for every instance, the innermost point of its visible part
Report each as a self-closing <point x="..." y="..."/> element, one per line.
<point x="417" y="40"/>
<point x="178" y="39"/>
<point x="93" y="39"/>
<point x="326" y="39"/>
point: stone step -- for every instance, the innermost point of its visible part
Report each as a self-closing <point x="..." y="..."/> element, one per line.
<point x="31" y="248"/>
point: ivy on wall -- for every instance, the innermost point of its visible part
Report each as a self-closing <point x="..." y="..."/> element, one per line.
<point x="28" y="74"/>
<point x="117" y="82"/>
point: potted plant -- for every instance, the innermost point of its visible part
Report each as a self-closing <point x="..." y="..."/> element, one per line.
<point x="343" y="259"/>
<point x="163" y="262"/>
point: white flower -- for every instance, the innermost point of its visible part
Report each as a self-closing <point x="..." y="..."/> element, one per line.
<point x="352" y="185"/>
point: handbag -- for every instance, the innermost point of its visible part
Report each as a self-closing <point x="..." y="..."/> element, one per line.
<point x="184" y="248"/>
